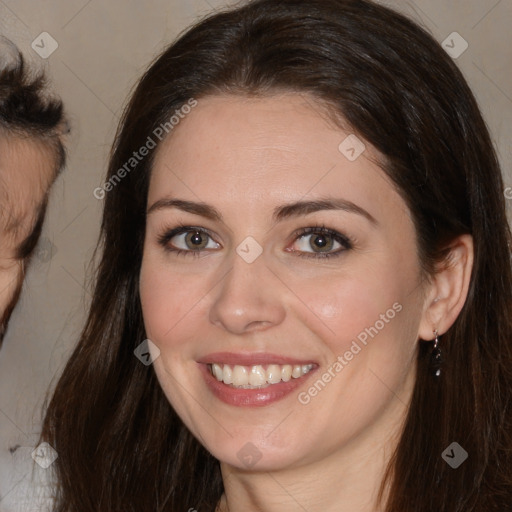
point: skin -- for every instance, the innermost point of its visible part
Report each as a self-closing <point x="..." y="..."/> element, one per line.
<point x="247" y="157"/>
<point x="27" y="170"/>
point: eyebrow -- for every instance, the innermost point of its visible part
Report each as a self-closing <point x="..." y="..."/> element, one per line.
<point x="280" y="213"/>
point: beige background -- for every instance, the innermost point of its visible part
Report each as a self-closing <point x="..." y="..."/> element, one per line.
<point x="103" y="48"/>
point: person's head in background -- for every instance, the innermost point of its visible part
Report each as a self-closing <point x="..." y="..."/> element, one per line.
<point x="31" y="156"/>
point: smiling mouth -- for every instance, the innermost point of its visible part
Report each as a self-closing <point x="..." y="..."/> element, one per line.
<point x="257" y="376"/>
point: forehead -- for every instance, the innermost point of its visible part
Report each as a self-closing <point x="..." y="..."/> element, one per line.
<point x="23" y="158"/>
<point x="263" y="128"/>
<point x="253" y="153"/>
<point x="27" y="169"/>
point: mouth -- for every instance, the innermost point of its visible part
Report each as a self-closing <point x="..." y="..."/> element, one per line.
<point x="253" y="380"/>
<point x="257" y="376"/>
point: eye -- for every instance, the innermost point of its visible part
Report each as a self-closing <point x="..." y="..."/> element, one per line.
<point x="320" y="242"/>
<point x="187" y="239"/>
<point x="311" y="242"/>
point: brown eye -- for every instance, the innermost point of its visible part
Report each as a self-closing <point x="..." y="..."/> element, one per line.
<point x="196" y="240"/>
<point x="186" y="239"/>
<point x="318" y="243"/>
<point x="321" y="241"/>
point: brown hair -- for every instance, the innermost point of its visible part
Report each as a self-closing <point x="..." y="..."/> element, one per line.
<point x="121" y="446"/>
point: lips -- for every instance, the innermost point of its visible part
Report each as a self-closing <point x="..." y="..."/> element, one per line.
<point x="247" y="359"/>
<point x="253" y="379"/>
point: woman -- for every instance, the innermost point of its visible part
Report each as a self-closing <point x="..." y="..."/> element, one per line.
<point x="304" y="231"/>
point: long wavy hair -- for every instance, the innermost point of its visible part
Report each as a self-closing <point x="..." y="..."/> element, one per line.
<point x="121" y="446"/>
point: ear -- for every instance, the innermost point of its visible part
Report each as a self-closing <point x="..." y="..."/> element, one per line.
<point x="448" y="289"/>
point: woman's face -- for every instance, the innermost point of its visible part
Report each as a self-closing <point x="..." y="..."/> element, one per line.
<point x="276" y="253"/>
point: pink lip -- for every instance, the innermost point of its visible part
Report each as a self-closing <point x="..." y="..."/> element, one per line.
<point x="250" y="359"/>
<point x="250" y="397"/>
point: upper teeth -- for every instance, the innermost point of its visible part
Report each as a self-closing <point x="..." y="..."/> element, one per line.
<point x="257" y="376"/>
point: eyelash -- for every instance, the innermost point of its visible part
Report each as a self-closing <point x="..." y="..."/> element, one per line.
<point x="343" y="240"/>
<point x="164" y="239"/>
<point x="323" y="230"/>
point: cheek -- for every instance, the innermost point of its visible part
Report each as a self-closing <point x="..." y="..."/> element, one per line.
<point x="368" y="317"/>
<point x="169" y="301"/>
<point x="346" y="308"/>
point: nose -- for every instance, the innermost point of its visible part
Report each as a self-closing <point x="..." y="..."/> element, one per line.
<point x="248" y="298"/>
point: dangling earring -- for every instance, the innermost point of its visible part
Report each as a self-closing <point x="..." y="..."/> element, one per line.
<point x="435" y="357"/>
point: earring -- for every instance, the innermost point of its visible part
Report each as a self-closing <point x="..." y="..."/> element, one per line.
<point x="435" y="357"/>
